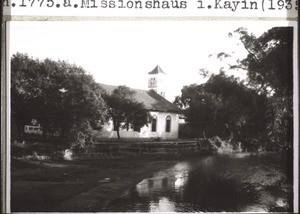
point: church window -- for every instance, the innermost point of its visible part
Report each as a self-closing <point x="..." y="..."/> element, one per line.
<point x="136" y="129"/>
<point x="152" y="82"/>
<point x="154" y="124"/>
<point x="168" y="124"/>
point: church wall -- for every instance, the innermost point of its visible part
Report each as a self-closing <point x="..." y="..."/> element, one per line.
<point x="145" y="132"/>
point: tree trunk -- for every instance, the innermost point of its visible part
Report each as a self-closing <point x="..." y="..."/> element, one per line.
<point x="118" y="132"/>
<point x="116" y="127"/>
<point x="231" y="136"/>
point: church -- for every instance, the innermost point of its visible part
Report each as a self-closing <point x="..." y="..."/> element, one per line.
<point x="165" y="115"/>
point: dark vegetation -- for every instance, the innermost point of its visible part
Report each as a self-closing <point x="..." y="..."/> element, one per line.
<point x="257" y="112"/>
<point x="66" y="101"/>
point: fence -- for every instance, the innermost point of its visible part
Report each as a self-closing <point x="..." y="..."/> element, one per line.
<point x="112" y="149"/>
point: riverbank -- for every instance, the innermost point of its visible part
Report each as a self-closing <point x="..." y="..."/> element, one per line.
<point x="77" y="185"/>
<point x="264" y="174"/>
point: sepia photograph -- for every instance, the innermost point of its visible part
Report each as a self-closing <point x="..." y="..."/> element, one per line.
<point x="152" y="116"/>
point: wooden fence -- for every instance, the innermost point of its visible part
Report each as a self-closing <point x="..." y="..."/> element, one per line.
<point x="122" y="149"/>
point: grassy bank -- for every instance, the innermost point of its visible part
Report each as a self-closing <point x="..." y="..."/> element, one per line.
<point x="76" y="185"/>
<point x="266" y="175"/>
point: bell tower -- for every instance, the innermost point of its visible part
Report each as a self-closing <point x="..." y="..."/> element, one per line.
<point x="156" y="81"/>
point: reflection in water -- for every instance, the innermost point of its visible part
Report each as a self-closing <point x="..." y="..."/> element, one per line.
<point x="179" y="182"/>
<point x="181" y="175"/>
<point x="174" y="179"/>
<point x="257" y="209"/>
<point x="164" y="183"/>
<point x="280" y="202"/>
<point x="196" y="186"/>
<point x="163" y="205"/>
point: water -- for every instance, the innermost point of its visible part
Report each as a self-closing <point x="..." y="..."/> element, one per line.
<point x="209" y="184"/>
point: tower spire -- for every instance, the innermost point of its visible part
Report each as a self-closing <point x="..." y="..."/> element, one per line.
<point x="157" y="70"/>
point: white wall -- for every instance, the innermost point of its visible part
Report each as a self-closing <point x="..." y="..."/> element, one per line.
<point x="145" y="132"/>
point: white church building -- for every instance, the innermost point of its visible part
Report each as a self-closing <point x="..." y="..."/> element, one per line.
<point x="165" y="122"/>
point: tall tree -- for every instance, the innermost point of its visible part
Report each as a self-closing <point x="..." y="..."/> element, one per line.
<point x="270" y="70"/>
<point x="124" y="110"/>
<point x="61" y="96"/>
<point x="224" y="106"/>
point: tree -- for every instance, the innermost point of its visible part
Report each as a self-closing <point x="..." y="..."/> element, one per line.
<point x="270" y="60"/>
<point x="270" y="70"/>
<point x="59" y="95"/>
<point x="224" y="106"/>
<point x="124" y="111"/>
<point x="200" y="107"/>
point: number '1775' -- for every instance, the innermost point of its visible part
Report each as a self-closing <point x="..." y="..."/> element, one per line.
<point x="30" y="3"/>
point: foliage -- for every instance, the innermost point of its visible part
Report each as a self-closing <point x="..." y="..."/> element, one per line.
<point x="223" y="106"/>
<point x="270" y="70"/>
<point x="280" y="122"/>
<point x="57" y="94"/>
<point x="270" y="60"/>
<point x="82" y="138"/>
<point x="124" y="111"/>
<point x="264" y="108"/>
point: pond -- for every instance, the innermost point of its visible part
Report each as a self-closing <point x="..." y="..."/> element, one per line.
<point x="230" y="183"/>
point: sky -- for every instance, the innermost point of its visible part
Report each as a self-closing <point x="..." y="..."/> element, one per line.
<point x="123" y="52"/>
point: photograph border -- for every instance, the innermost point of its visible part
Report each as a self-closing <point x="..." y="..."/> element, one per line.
<point x="5" y="86"/>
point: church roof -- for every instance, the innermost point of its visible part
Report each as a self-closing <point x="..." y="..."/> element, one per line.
<point x="151" y="100"/>
<point x="157" y="70"/>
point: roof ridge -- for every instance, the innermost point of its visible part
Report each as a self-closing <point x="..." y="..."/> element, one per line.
<point x="152" y="100"/>
<point x="123" y="85"/>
